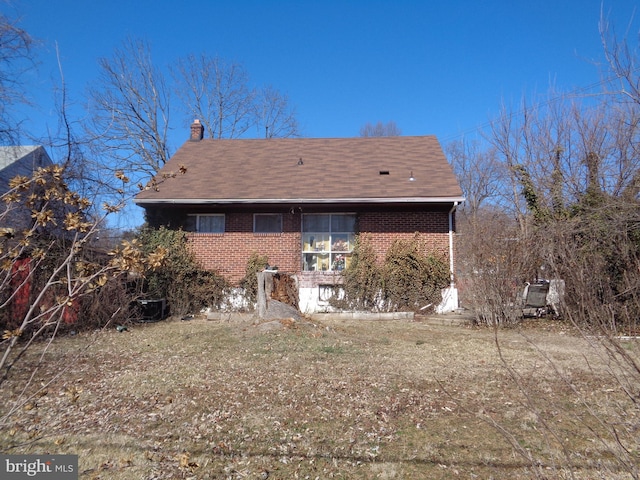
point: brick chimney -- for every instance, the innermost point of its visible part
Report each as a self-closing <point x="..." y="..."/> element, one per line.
<point x="197" y="131"/>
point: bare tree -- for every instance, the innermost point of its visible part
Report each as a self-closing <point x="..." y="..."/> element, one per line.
<point x="52" y="273"/>
<point x="129" y="108"/>
<point x="274" y="114"/>
<point x="15" y="51"/>
<point x="624" y="85"/>
<point x="557" y="150"/>
<point x="565" y="162"/>
<point x="217" y="93"/>
<point x="389" y="129"/>
<point x="622" y="61"/>
<point x="506" y="141"/>
<point x="479" y="173"/>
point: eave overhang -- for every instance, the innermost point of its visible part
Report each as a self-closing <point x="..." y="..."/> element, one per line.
<point x="145" y="202"/>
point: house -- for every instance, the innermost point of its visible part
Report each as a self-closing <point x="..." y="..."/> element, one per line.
<point x="16" y="216"/>
<point x="302" y="201"/>
<point x="14" y="161"/>
<point x="21" y="160"/>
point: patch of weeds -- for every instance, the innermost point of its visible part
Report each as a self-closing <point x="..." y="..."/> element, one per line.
<point x="333" y="349"/>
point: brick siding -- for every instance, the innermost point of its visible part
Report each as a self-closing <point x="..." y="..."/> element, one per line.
<point x="228" y="253"/>
<point x="383" y="228"/>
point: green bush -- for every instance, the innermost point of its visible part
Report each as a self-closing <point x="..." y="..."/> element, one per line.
<point x="186" y="286"/>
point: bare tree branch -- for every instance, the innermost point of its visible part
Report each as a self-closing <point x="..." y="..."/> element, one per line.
<point x="389" y="129"/>
<point x="15" y="58"/>
<point x="274" y="115"/>
<point x="130" y="107"/>
<point x="217" y="93"/>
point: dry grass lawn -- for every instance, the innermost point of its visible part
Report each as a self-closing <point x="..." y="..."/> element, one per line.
<point x="342" y="399"/>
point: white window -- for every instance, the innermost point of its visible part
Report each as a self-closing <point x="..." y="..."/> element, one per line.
<point x="267" y="223"/>
<point x="327" y="241"/>
<point x="213" y="223"/>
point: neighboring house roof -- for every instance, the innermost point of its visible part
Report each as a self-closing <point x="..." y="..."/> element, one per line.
<point x="306" y="170"/>
<point x="21" y="160"/>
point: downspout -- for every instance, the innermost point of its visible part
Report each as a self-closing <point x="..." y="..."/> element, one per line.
<point x="451" y="262"/>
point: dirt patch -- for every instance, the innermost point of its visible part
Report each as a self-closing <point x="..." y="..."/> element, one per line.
<point x="338" y="399"/>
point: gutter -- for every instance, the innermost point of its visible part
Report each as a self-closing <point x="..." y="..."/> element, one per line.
<point x="451" y="262"/>
<point x="250" y="201"/>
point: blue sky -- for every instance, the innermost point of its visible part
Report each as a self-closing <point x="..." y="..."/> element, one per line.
<point x="433" y="67"/>
<point x="439" y="67"/>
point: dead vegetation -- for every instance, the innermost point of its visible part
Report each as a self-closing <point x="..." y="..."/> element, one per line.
<point x="203" y="399"/>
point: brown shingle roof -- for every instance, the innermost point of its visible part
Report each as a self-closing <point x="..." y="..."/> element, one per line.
<point x="307" y="170"/>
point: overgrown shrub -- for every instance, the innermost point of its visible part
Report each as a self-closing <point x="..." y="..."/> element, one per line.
<point x="597" y="253"/>
<point x="409" y="279"/>
<point x="109" y="305"/>
<point x="594" y="249"/>
<point x="181" y="280"/>
<point x="249" y="282"/>
<point x="362" y="281"/>
<point x="413" y="279"/>
<point x="494" y="261"/>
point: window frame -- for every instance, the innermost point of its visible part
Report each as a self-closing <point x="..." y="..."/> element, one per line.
<point x="319" y="252"/>
<point x="272" y="232"/>
<point x="198" y="216"/>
